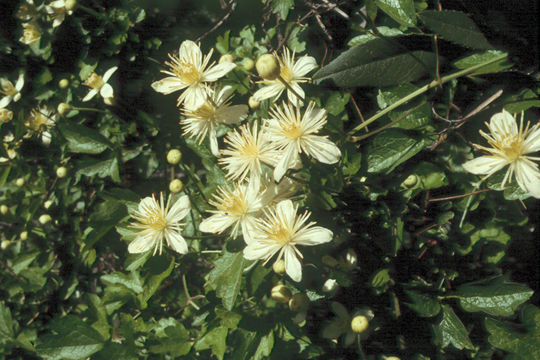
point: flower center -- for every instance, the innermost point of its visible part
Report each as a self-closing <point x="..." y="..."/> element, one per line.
<point x="512" y="147"/>
<point x="249" y="150"/>
<point x="94" y="81"/>
<point x="37" y="121"/>
<point x="206" y="112"/>
<point x="286" y="73"/>
<point x="30" y="33"/>
<point x="236" y="206"/>
<point x="292" y="131"/>
<point x="189" y="73"/>
<point x="280" y="234"/>
<point x="156" y="221"/>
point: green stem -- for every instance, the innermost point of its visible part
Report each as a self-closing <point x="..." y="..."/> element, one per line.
<point x="88" y="109"/>
<point x="90" y="11"/>
<point x="422" y="90"/>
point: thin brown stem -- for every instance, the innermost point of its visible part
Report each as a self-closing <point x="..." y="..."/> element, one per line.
<point x="459" y="196"/>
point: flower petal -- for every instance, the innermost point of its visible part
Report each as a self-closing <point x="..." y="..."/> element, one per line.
<point x="5" y="101"/>
<point x="293" y="268"/>
<point x="20" y="82"/>
<point x="176" y="242"/>
<point x="528" y="177"/>
<point x="321" y="149"/>
<point x="304" y="65"/>
<point x="502" y="125"/>
<point x="285" y="162"/>
<point x="168" y="85"/>
<point x="273" y="90"/>
<point x="484" y="165"/>
<point x="259" y="250"/>
<point x="142" y="243"/>
<point x="532" y="142"/>
<point x="214" y="147"/>
<point x="90" y="95"/>
<point x="109" y="73"/>
<point x="193" y="97"/>
<point x="232" y="114"/>
<point x="218" y="71"/>
<point x="216" y="223"/>
<point x="292" y="96"/>
<point x="190" y="53"/>
<point x="106" y="91"/>
<point x="313" y="236"/>
<point x="179" y="210"/>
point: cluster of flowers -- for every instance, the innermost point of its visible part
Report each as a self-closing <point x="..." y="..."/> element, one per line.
<point x="255" y="202"/>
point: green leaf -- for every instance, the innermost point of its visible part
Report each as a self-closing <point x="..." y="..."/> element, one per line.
<point x="282" y="7"/>
<point x="431" y="177"/>
<point x="82" y="139"/>
<point x="401" y="11"/>
<point x="335" y="104"/>
<point x="174" y="341"/>
<point x="215" y="339"/>
<point x="522" y="340"/>
<point x="101" y="168"/>
<point x="391" y="148"/>
<point x="483" y="57"/>
<point x="73" y="340"/>
<point x="423" y="304"/>
<point x="456" y="27"/>
<point x="383" y="30"/>
<point x="450" y="330"/>
<point x="265" y="346"/>
<point x="229" y="319"/>
<point x="159" y="269"/>
<point x="376" y="63"/>
<point x="6" y="323"/>
<point x="512" y="190"/>
<point x="131" y="281"/>
<point x="412" y="114"/>
<point x="226" y="277"/>
<point x="494" y="297"/>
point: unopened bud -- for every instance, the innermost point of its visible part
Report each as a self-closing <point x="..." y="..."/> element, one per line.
<point x="64" y="83"/>
<point x="281" y="293"/>
<point x="268" y="67"/>
<point x="24" y="235"/>
<point x="253" y="104"/>
<point x="4" y="244"/>
<point x="47" y="204"/>
<point x="19" y="182"/>
<point x="226" y="58"/>
<point x="5" y="115"/>
<point x="299" y="302"/>
<point x="63" y="108"/>
<point x="70" y="4"/>
<point x="279" y="267"/>
<point x="329" y="285"/>
<point x="359" y="324"/>
<point x="45" y="218"/>
<point x="411" y="180"/>
<point x="248" y="64"/>
<point x="4" y="209"/>
<point x="174" y="156"/>
<point x="176" y="186"/>
<point x="61" y="172"/>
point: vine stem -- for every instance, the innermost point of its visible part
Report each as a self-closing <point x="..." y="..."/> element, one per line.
<point x="422" y="90"/>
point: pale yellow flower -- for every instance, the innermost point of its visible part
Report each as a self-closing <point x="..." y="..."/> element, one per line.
<point x="31" y="33"/>
<point x="189" y="71"/>
<point x="9" y="147"/>
<point x="39" y="122"/>
<point x="293" y="72"/>
<point x="57" y="11"/>
<point x="99" y="85"/>
<point x="5" y="115"/>
<point x="217" y="110"/>
<point x="11" y="92"/>
<point x="156" y="221"/>
<point x="510" y="146"/>
<point x="281" y="231"/>
<point x="27" y="11"/>
<point x="294" y="133"/>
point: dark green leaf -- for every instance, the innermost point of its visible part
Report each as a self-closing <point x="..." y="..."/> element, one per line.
<point x="101" y="168"/>
<point x="401" y="11"/>
<point x="391" y="148"/>
<point x="450" y="330"/>
<point x="159" y="269"/>
<point x="82" y="139"/>
<point x="131" y="281"/>
<point x="412" y="115"/>
<point x="483" y="57"/>
<point x="174" y="341"/>
<point x="215" y="339"/>
<point x="282" y="7"/>
<point x="383" y="30"/>
<point x="226" y="277"/>
<point x="423" y="304"/>
<point x="6" y="323"/>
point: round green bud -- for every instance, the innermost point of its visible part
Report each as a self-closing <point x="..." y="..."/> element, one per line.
<point x="281" y="293"/>
<point x="411" y="180"/>
<point x="176" y="186"/>
<point x="70" y="4"/>
<point x="268" y="67"/>
<point x="174" y="156"/>
<point x="248" y="64"/>
<point x="19" y="182"/>
<point x="63" y="83"/>
<point x="226" y="58"/>
<point x="299" y="302"/>
<point x="4" y="244"/>
<point x="45" y="218"/>
<point x="359" y="324"/>
<point x="253" y="104"/>
<point x="4" y="209"/>
<point x="63" y="108"/>
<point x="24" y="235"/>
<point x="279" y="267"/>
<point x="61" y="172"/>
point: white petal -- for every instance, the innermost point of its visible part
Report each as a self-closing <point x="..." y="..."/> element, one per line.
<point x="20" y="82"/>
<point x="293" y="268"/>
<point x="190" y="52"/>
<point x="46" y="138"/>
<point x="106" y="91"/>
<point x="176" y="242"/>
<point x="148" y="203"/>
<point x="5" y="101"/>
<point x="168" y="85"/>
<point x="232" y="114"/>
<point x="248" y="229"/>
<point x="304" y="65"/>
<point x="503" y="124"/>
<point x="214" y="147"/>
<point x="193" y="97"/>
<point x="532" y="142"/>
<point x="218" y="71"/>
<point x="321" y="149"/>
<point x="528" y="177"/>
<point x="90" y="95"/>
<point x="17" y="97"/>
<point x="273" y="90"/>
<point x="179" y="210"/>
<point x="109" y="73"/>
<point x="258" y="250"/>
<point x="313" y="236"/>
<point x="293" y="98"/>
<point x="285" y="162"/>
<point x="142" y="243"/>
<point x="484" y="165"/>
<point x="216" y="223"/>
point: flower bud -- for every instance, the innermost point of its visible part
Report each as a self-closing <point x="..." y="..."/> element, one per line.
<point x="47" y="204"/>
<point x="70" y="4"/>
<point x="226" y="58"/>
<point x="4" y="244"/>
<point x="45" y="218"/>
<point x="281" y="293"/>
<point x="359" y="324"/>
<point x="24" y="235"/>
<point x="63" y="83"/>
<point x="174" y="156"/>
<point x="268" y="67"/>
<point x="299" y="302"/>
<point x="253" y="104"/>
<point x="279" y="267"/>
<point x="4" y="209"/>
<point x="411" y="180"/>
<point x="351" y="258"/>
<point x="5" y="115"/>
<point x="63" y="108"/>
<point x="19" y="182"/>
<point x="248" y="64"/>
<point x="61" y="172"/>
<point x="329" y="285"/>
<point x="176" y="186"/>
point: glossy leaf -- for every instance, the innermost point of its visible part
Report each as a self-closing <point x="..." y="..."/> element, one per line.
<point x="401" y="11"/>
<point x="451" y="331"/>
<point x="391" y="148"/>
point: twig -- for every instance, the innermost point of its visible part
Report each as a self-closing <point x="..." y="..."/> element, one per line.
<point x="459" y="196"/>
<point x="232" y="6"/>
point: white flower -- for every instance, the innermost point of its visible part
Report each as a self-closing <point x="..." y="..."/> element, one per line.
<point x="57" y="11"/>
<point x="99" y="85"/>
<point x="235" y="207"/>
<point x="215" y="110"/>
<point x="31" y="33"/>
<point x="294" y="133"/>
<point x="190" y="71"/>
<point x="246" y="151"/>
<point x="39" y="122"/>
<point x="11" y="92"/>
<point x="281" y="231"/>
<point x="293" y="73"/>
<point x="510" y="146"/>
<point x="157" y="221"/>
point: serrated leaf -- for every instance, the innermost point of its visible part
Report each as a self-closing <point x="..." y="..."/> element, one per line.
<point x="456" y="27"/>
<point x="215" y="339"/>
<point x="402" y="11"/>
<point x="6" y="323"/>
<point x="391" y="148"/>
<point x="282" y="7"/>
<point x="82" y="139"/>
<point x="376" y="63"/>
<point x="383" y="30"/>
<point x="495" y="297"/>
<point x="483" y="57"/>
<point x="423" y="304"/>
<point x="450" y="330"/>
<point x="226" y="277"/>
<point x="131" y="281"/>
<point x="174" y="341"/>
<point x="265" y="346"/>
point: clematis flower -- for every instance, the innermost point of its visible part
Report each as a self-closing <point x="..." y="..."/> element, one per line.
<point x="235" y="206"/>
<point x="39" y="123"/>
<point x="157" y="221"/>
<point x="294" y="133"/>
<point x="281" y="231"/>
<point x="11" y="92"/>
<point x="293" y="72"/>
<point x="246" y="151"/>
<point x="31" y="33"/>
<point x="99" y="85"/>
<point x="189" y="71"/>
<point x="510" y="146"/>
<point x="58" y="9"/>
<point x="216" y="110"/>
